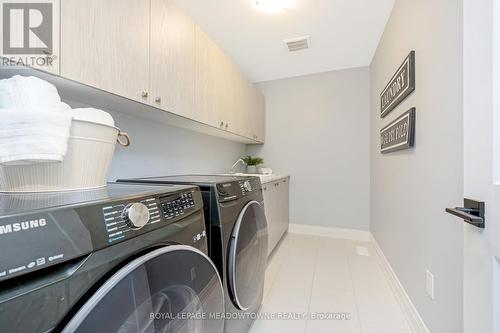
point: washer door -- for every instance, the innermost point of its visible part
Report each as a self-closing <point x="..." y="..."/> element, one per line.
<point x="172" y="289"/>
<point x="248" y="257"/>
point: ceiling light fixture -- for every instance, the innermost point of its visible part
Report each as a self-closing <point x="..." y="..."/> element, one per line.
<point x="274" y="6"/>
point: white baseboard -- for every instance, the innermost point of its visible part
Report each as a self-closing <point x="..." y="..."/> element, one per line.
<point x="414" y="320"/>
<point x="352" y="234"/>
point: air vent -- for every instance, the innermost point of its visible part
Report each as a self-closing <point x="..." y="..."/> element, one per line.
<point x="297" y="44"/>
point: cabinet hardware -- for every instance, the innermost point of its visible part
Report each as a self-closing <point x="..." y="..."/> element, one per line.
<point x="221" y="124"/>
<point x="144" y="94"/>
<point x="158" y="99"/>
<point x="227" y="125"/>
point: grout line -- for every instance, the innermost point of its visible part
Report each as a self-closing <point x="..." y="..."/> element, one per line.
<point x="280" y="266"/>
<point x="312" y="282"/>
<point x="349" y="265"/>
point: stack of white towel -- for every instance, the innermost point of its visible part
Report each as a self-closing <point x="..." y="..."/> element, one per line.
<point x="35" y="124"/>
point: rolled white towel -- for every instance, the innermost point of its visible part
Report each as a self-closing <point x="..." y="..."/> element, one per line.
<point x="93" y="115"/>
<point x="28" y="92"/>
<point x="32" y="136"/>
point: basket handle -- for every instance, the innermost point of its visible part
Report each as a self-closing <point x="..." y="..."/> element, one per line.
<point x="125" y="142"/>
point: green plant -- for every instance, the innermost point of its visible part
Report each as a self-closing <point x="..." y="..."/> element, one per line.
<point x="249" y="160"/>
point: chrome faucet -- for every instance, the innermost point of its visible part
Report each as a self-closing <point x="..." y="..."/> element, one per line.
<point x="235" y="164"/>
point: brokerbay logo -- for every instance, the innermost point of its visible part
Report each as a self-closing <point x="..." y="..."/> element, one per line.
<point x="22" y="226"/>
<point x="28" y="29"/>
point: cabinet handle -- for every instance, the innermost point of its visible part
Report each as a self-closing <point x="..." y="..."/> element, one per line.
<point x="221" y="124"/>
<point x="227" y="125"/>
<point x="265" y="188"/>
<point x="158" y="100"/>
<point x="144" y="94"/>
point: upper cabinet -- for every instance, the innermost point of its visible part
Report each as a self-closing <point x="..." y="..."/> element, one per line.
<point x="152" y="52"/>
<point x="172" y="59"/>
<point x="212" y="83"/>
<point x="105" y="44"/>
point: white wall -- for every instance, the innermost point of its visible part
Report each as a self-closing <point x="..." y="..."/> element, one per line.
<point x="317" y="131"/>
<point x="410" y="189"/>
<point x="158" y="149"/>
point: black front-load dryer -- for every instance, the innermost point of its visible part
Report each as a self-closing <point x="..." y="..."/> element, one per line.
<point x="125" y="258"/>
<point x="237" y="238"/>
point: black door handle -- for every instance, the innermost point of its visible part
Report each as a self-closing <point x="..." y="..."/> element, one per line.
<point x="472" y="212"/>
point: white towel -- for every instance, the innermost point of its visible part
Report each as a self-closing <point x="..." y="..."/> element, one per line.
<point x="93" y="115"/>
<point x="33" y="136"/>
<point x="29" y="92"/>
<point x="35" y="124"/>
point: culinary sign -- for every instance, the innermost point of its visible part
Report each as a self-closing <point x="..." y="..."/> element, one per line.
<point x="399" y="134"/>
<point x="399" y="87"/>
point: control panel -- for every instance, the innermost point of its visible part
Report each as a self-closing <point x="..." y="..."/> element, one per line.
<point x="175" y="206"/>
<point x="250" y="185"/>
<point x="238" y="189"/>
<point x="121" y="219"/>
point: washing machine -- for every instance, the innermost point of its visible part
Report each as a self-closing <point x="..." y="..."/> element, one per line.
<point x="119" y="259"/>
<point x="237" y="237"/>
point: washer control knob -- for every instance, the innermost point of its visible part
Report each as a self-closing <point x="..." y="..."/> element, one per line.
<point x="136" y="215"/>
<point x="247" y="186"/>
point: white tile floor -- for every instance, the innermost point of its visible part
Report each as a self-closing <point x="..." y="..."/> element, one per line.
<point x="310" y="274"/>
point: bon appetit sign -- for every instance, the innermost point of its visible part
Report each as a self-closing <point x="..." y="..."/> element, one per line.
<point x="399" y="134"/>
<point x="399" y="87"/>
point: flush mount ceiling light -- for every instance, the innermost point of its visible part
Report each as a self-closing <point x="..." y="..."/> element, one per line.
<point x="274" y="6"/>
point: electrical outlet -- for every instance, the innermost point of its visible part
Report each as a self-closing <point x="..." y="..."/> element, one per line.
<point x="429" y="284"/>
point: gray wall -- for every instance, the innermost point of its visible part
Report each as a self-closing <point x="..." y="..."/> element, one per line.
<point x="158" y="149"/>
<point x="410" y="189"/>
<point x="317" y="130"/>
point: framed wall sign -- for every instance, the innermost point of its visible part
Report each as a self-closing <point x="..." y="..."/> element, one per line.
<point x="399" y="134"/>
<point x="401" y="85"/>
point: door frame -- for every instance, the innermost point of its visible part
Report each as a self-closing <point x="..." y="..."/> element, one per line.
<point x="479" y="150"/>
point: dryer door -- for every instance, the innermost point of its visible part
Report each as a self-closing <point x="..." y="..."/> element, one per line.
<point x="172" y="289"/>
<point x="248" y="257"/>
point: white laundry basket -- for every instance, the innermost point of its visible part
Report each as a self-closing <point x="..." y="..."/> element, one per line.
<point x="90" y="150"/>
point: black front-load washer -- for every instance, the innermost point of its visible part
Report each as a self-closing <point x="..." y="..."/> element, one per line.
<point x="119" y="259"/>
<point x="237" y="238"/>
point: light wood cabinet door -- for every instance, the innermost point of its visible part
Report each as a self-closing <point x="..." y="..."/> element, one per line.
<point x="269" y="192"/>
<point x="242" y="100"/>
<point x="213" y="75"/>
<point x="259" y="119"/>
<point x="255" y="113"/>
<point x="284" y="205"/>
<point x="172" y="64"/>
<point x="105" y="44"/>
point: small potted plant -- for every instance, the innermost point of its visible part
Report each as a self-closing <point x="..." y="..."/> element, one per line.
<point x="252" y="163"/>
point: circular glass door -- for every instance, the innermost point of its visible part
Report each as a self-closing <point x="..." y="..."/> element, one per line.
<point x="175" y="289"/>
<point x="248" y="257"/>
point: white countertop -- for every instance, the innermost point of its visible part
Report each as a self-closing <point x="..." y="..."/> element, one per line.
<point x="264" y="179"/>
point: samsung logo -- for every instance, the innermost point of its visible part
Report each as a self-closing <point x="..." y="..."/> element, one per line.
<point x="27" y="225"/>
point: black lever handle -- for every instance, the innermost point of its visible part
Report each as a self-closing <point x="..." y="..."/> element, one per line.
<point x="462" y="213"/>
<point x="472" y="212"/>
